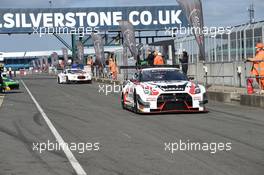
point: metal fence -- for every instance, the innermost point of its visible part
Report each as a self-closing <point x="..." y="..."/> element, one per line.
<point x="235" y="46"/>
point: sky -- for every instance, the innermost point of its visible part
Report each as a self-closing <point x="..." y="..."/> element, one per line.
<point x="216" y="13"/>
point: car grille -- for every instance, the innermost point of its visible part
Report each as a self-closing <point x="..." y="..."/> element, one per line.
<point x="173" y="88"/>
<point x="14" y="86"/>
<point x="178" y="101"/>
<point x="81" y="77"/>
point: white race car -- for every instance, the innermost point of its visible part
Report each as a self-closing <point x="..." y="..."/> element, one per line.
<point x="74" y="76"/>
<point x="158" y="90"/>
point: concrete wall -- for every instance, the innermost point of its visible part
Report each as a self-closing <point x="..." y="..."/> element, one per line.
<point x="221" y="69"/>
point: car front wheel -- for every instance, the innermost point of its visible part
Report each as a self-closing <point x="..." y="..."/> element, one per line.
<point x="135" y="108"/>
<point x="59" y="81"/>
<point x="122" y="101"/>
<point x="67" y="80"/>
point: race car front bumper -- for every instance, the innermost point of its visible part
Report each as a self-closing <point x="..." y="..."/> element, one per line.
<point x="173" y="102"/>
<point x="80" y="79"/>
<point x="11" y="87"/>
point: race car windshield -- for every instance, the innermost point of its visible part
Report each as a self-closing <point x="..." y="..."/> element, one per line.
<point x="75" y="71"/>
<point x="7" y="79"/>
<point x="162" y="75"/>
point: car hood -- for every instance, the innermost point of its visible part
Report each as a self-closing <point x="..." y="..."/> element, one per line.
<point x="79" y="74"/>
<point x="166" y="83"/>
<point x="10" y="82"/>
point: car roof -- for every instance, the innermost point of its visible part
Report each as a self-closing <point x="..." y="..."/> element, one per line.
<point x="73" y="69"/>
<point x="160" y="68"/>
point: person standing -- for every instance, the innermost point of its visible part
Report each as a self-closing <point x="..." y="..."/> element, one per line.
<point x="10" y="72"/>
<point x="158" y="60"/>
<point x="75" y="65"/>
<point x="90" y="61"/>
<point x="1" y="82"/>
<point x="90" y="64"/>
<point x="184" y="61"/>
<point x="113" y="68"/>
<point x="258" y="65"/>
<point x="150" y="58"/>
<point x="107" y="68"/>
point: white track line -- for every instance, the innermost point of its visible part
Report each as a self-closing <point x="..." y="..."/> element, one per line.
<point x="1" y="100"/>
<point x="74" y="162"/>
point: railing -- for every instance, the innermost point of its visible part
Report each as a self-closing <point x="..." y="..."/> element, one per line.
<point x="219" y="76"/>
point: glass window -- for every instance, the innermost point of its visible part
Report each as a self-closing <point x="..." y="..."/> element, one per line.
<point x="162" y="75"/>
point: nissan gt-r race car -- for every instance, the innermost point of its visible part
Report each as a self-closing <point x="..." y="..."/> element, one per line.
<point x="158" y="90"/>
<point x="74" y="76"/>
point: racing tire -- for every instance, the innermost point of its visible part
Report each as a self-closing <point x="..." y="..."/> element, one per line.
<point x="122" y="102"/>
<point x="135" y="107"/>
<point x="59" y="81"/>
<point x="67" y="80"/>
<point x="90" y="82"/>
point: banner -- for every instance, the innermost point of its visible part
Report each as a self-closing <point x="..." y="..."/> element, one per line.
<point x="80" y="51"/>
<point x="54" y="59"/>
<point x="66" y="20"/>
<point x="41" y="62"/>
<point x="46" y="61"/>
<point x="65" y="55"/>
<point x="99" y="48"/>
<point x="129" y="39"/>
<point x="34" y="64"/>
<point x="194" y="14"/>
<point x="38" y="63"/>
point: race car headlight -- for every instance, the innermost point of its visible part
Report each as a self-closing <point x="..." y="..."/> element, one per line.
<point x="197" y="90"/>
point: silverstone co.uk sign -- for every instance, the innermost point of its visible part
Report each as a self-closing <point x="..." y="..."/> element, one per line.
<point x="142" y="18"/>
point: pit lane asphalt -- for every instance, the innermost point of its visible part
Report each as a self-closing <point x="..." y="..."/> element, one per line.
<point x="130" y="144"/>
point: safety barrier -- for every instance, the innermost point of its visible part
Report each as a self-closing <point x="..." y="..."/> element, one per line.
<point x="219" y="76"/>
